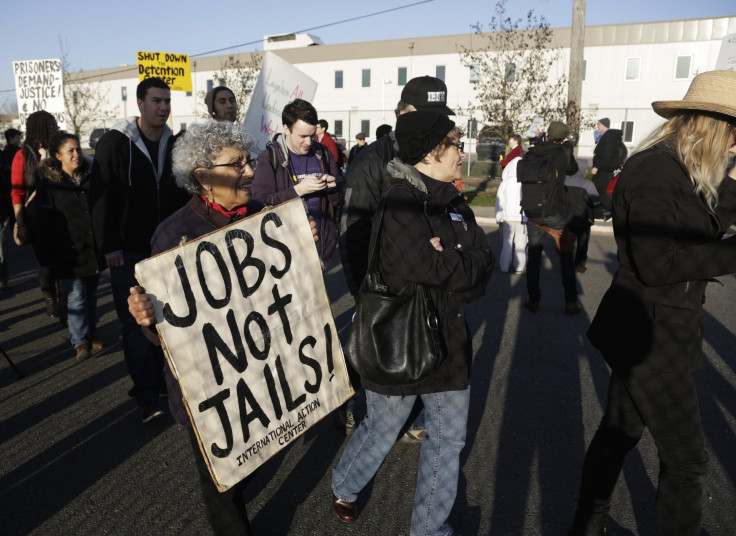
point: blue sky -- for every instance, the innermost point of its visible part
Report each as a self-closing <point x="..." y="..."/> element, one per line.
<point x="107" y="34"/>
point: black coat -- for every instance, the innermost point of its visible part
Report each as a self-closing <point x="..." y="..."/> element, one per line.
<point x="610" y="152"/>
<point x="64" y="239"/>
<point x="365" y="182"/>
<point x="669" y="245"/>
<point x="459" y="274"/>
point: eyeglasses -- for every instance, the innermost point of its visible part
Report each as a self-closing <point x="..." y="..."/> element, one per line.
<point x="460" y="145"/>
<point x="240" y="166"/>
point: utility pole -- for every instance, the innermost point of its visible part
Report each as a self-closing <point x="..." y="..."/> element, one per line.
<point x="575" y="78"/>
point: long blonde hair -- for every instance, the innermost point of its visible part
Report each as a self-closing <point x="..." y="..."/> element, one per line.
<point x="700" y="141"/>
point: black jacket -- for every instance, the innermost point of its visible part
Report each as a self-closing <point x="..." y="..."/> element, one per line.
<point x="564" y="164"/>
<point x="459" y="274"/>
<point x="365" y="182"/>
<point x="64" y="239"/>
<point x="608" y="153"/>
<point x="669" y="244"/>
<point x="128" y="199"/>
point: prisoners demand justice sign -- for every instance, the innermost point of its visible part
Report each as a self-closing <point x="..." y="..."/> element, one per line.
<point x="39" y="85"/>
<point x="246" y="324"/>
<point x="278" y="84"/>
<point x="171" y="68"/>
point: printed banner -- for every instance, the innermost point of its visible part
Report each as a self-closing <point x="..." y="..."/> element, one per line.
<point x="246" y="323"/>
<point x="171" y="68"/>
<point x="727" y="56"/>
<point x="278" y="84"/>
<point x="39" y="85"/>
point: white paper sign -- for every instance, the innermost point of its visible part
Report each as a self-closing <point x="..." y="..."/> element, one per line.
<point x="727" y="56"/>
<point x="246" y="323"/>
<point x="39" y="85"/>
<point x="278" y="84"/>
<point x="537" y="124"/>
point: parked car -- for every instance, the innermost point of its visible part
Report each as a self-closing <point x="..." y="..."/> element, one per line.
<point x="96" y="135"/>
<point x="490" y="144"/>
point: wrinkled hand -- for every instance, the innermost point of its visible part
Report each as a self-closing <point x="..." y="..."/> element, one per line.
<point x="435" y="241"/>
<point x="115" y="259"/>
<point x="141" y="307"/>
<point x="310" y="185"/>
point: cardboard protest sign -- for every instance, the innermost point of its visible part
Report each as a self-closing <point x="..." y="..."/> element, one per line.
<point x="39" y="85"/>
<point x="727" y="55"/>
<point x="171" y="68"/>
<point x="248" y="331"/>
<point x="278" y="84"/>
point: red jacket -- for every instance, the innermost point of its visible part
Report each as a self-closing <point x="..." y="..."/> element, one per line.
<point x="328" y="142"/>
<point x="516" y="151"/>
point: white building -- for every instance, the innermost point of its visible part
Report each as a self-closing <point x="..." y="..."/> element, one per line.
<point x="627" y="66"/>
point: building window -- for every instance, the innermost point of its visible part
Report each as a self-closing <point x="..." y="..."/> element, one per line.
<point x="338" y="79"/>
<point x="401" y="77"/>
<point x="366" y="78"/>
<point x="189" y="93"/>
<point x="439" y="72"/>
<point x="682" y="67"/>
<point x="475" y="73"/>
<point x="585" y="69"/>
<point x="510" y="73"/>
<point x="210" y="85"/>
<point x="633" y="66"/>
<point x="182" y="127"/>
<point x="365" y="127"/>
<point x="338" y="128"/>
<point x="628" y="129"/>
<point x="123" y="93"/>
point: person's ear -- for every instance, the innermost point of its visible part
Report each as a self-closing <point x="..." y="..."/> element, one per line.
<point x="203" y="177"/>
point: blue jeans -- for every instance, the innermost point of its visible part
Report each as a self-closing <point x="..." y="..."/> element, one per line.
<point x="439" y="462"/>
<point x="145" y="361"/>
<point x="81" y="303"/>
<point x="535" y="244"/>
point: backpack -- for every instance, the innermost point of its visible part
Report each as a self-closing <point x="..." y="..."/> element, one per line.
<point x="536" y="175"/>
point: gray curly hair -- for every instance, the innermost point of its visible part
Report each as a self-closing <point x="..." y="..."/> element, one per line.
<point x="200" y="145"/>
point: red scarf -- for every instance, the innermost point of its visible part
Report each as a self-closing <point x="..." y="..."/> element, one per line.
<point x="239" y="211"/>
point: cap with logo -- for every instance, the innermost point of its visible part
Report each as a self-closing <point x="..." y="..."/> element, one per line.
<point x="427" y="94"/>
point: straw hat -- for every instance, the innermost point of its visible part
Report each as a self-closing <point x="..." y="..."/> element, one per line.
<point x="712" y="91"/>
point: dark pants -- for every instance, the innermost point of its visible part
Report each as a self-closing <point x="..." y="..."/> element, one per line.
<point x="600" y="181"/>
<point x="145" y="361"/>
<point x="225" y="511"/>
<point x="535" y="245"/>
<point x="667" y="404"/>
<point x="581" y="230"/>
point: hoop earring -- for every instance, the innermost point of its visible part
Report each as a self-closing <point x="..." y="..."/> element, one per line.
<point x="208" y="203"/>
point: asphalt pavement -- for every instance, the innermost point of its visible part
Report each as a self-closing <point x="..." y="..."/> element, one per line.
<point x="75" y="458"/>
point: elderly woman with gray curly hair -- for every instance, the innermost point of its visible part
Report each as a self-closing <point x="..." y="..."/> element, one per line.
<point x="212" y="161"/>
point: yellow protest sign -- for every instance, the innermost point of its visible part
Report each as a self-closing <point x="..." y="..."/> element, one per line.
<point x="171" y="68"/>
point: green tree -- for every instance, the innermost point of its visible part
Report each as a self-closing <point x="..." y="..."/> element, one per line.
<point x="519" y="71"/>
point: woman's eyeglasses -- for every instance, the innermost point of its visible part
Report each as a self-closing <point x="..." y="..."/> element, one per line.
<point x="240" y="166"/>
<point x="460" y="145"/>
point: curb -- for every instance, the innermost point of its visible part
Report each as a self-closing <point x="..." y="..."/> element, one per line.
<point x="604" y="229"/>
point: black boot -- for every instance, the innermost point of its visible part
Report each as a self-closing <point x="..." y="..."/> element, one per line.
<point x="48" y="288"/>
<point x="588" y="524"/>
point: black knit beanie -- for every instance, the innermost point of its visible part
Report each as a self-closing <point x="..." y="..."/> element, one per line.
<point x="417" y="133"/>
